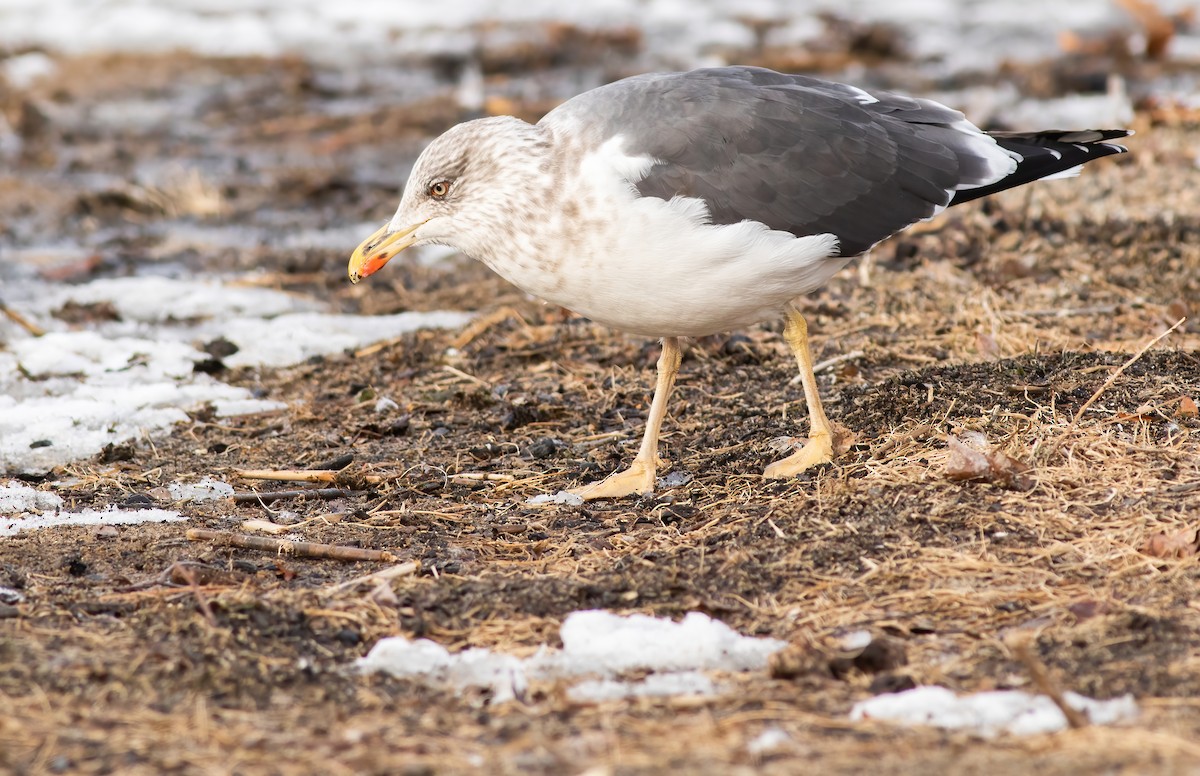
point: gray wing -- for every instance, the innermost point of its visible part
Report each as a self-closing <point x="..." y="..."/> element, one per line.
<point x="799" y="154"/>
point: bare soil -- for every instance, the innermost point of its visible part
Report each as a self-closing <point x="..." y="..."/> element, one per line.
<point x="1003" y="318"/>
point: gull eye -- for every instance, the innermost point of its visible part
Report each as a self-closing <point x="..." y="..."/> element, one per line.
<point x="439" y="189"/>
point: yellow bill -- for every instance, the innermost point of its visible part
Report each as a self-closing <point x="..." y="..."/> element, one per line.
<point x="378" y="249"/>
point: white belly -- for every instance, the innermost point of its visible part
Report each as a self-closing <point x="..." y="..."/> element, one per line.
<point x="656" y="267"/>
<point x="662" y="272"/>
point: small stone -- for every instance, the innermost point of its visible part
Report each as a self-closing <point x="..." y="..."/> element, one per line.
<point x="880" y="655"/>
<point x="336" y="463"/>
<point x="209" y="366"/>
<point x="541" y="448"/>
<point x="8" y="611"/>
<point x="385" y="404"/>
<point x="888" y="683"/>
<point x="114" y="453"/>
<point x="220" y="348"/>
<point x="107" y="532"/>
<point x="137" y="501"/>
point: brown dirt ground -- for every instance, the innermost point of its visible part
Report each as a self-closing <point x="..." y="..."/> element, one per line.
<point x="1003" y="318"/>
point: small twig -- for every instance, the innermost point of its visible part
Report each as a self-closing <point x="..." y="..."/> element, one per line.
<point x="191" y="573"/>
<point x="287" y="475"/>
<point x="1067" y="312"/>
<point x="21" y="320"/>
<point x="302" y="475"/>
<point x="832" y="362"/>
<point x="402" y="570"/>
<point x="266" y="526"/>
<point x="279" y="495"/>
<point x="829" y="363"/>
<point x="1120" y="370"/>
<point x="285" y="547"/>
<point x="483" y="477"/>
<point x="923" y="431"/>
<point x="1045" y="685"/>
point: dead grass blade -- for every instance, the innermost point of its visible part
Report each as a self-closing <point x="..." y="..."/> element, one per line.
<point x="1119" y="371"/>
<point x="21" y="320"/>
<point x="401" y="570"/>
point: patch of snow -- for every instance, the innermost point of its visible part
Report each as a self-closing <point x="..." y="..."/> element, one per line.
<point x="768" y="741"/>
<point x="290" y="339"/>
<point x="206" y="489"/>
<point x="111" y="516"/>
<point x="601" y="641"/>
<point x="595" y="643"/>
<point x="385" y="404"/>
<point x="16" y="498"/>
<point x="67" y="394"/>
<point x="504" y="675"/>
<point x="47" y="423"/>
<point x="990" y="713"/>
<point x="157" y="299"/>
<point x="674" y="480"/>
<point x="562" y="497"/>
<point x="858" y="639"/>
<point x="23" y="70"/>
<point x="90" y="354"/>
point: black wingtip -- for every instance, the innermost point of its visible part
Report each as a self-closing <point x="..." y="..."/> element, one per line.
<point x="1046" y="153"/>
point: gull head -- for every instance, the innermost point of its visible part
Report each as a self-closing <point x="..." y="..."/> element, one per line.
<point x="469" y="189"/>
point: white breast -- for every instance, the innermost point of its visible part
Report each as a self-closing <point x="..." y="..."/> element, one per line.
<point x="659" y="268"/>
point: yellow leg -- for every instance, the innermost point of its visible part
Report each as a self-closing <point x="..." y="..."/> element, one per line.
<point x="639" y="477"/>
<point x="819" y="448"/>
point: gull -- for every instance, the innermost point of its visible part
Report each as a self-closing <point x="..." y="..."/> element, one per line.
<point x="686" y="204"/>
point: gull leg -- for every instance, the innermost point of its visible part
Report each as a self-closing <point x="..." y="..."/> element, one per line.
<point x="819" y="448"/>
<point x="639" y="477"/>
